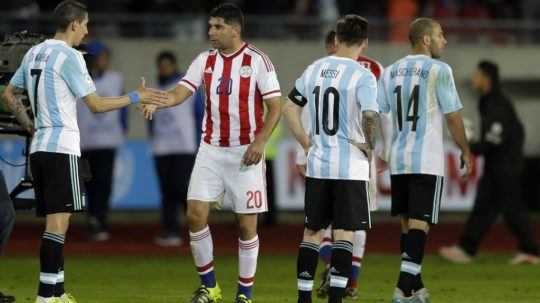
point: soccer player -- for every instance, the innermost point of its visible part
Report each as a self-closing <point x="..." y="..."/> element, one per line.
<point x="359" y="239"/>
<point x="340" y="95"/>
<point x="238" y="80"/>
<point x="55" y="76"/>
<point x="419" y="92"/>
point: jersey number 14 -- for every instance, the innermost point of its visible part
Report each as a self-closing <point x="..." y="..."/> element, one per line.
<point x="412" y="107"/>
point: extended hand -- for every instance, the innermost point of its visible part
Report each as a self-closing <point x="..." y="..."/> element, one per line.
<point x="254" y="153"/>
<point x="466" y="162"/>
<point x="148" y="111"/>
<point x="151" y="95"/>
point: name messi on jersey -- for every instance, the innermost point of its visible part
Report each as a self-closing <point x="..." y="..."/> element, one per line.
<point x="329" y="73"/>
<point x="409" y="72"/>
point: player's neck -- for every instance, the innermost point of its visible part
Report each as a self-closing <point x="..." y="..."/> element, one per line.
<point x="236" y="45"/>
<point x="348" y="52"/>
<point x="420" y="51"/>
<point x="64" y="37"/>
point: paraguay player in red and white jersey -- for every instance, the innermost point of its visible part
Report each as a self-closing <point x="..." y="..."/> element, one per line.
<point x="238" y="80"/>
<point x="359" y="240"/>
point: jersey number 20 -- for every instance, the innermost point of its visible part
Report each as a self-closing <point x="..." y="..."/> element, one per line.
<point x="325" y="105"/>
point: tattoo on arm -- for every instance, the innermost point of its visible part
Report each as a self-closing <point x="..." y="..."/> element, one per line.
<point x="19" y="110"/>
<point x="370" y="122"/>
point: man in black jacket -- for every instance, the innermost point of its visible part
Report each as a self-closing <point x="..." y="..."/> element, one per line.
<point x="501" y="144"/>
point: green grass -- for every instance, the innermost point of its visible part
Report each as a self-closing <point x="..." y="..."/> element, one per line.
<point x="157" y="279"/>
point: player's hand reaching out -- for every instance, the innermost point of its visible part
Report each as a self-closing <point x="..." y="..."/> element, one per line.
<point x="152" y="96"/>
<point x="148" y="111"/>
<point x="254" y="153"/>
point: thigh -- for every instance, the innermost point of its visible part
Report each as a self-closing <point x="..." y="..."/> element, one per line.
<point x="400" y="194"/>
<point x="425" y="194"/>
<point x="317" y="204"/>
<point x="245" y="187"/>
<point x="60" y="188"/>
<point x="350" y="205"/>
<point x="206" y="183"/>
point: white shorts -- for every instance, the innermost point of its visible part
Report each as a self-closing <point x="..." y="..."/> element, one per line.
<point x="219" y="175"/>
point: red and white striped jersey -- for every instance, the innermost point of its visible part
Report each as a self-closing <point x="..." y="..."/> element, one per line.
<point x="235" y="86"/>
<point x="373" y="65"/>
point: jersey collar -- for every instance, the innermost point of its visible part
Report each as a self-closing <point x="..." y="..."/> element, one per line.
<point x="233" y="55"/>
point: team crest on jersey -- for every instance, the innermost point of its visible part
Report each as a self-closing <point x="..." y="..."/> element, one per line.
<point x="245" y="71"/>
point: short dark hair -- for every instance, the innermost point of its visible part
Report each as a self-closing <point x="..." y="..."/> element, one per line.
<point x="352" y="29"/>
<point x="491" y="70"/>
<point x="230" y="13"/>
<point x="419" y="28"/>
<point x="330" y="37"/>
<point x="68" y="11"/>
<point x="166" y="55"/>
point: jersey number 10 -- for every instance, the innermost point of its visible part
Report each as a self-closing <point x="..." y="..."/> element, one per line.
<point x="412" y="106"/>
<point x="326" y="103"/>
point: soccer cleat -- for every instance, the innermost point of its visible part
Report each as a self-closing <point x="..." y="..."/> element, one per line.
<point x="67" y="298"/>
<point x="398" y="297"/>
<point x="351" y="293"/>
<point x="242" y="299"/>
<point x="168" y="240"/>
<point x="205" y="294"/>
<point x="455" y="254"/>
<point x="322" y="291"/>
<point x="6" y="298"/>
<point x="422" y="295"/>
<point x="523" y="258"/>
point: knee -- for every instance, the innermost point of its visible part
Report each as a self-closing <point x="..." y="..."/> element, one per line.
<point x="57" y="223"/>
<point x="313" y="236"/>
<point x="247" y="228"/>
<point x="196" y="215"/>
<point x="418" y="224"/>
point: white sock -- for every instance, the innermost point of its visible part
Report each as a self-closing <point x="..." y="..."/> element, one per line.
<point x="202" y="249"/>
<point x="248" y="251"/>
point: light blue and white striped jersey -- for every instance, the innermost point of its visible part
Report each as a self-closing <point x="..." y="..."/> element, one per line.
<point x="336" y="91"/>
<point x="55" y="76"/>
<point x="418" y="91"/>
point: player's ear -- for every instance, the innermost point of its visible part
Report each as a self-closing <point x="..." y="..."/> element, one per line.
<point x="427" y="40"/>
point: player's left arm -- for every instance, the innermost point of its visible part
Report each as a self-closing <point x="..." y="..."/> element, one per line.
<point x="451" y="107"/>
<point x="268" y="84"/>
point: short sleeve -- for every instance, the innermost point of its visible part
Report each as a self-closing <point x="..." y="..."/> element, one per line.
<point x="76" y="76"/>
<point x="447" y="94"/>
<point x="382" y="100"/>
<point x="267" y="80"/>
<point x="19" y="78"/>
<point x="194" y="75"/>
<point x="366" y="92"/>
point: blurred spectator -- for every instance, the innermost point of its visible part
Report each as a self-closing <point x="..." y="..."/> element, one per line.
<point x="499" y="191"/>
<point x="101" y="135"/>
<point x="173" y="133"/>
<point x="7" y="214"/>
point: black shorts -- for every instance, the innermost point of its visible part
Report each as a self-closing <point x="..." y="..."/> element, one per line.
<point x="58" y="185"/>
<point x="342" y="203"/>
<point x="417" y="196"/>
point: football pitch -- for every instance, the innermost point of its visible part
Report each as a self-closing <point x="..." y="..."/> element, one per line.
<point x="172" y="279"/>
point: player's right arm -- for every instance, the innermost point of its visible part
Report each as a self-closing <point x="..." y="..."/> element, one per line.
<point x="451" y="106"/>
<point x="14" y="103"/>
<point x="292" y="111"/>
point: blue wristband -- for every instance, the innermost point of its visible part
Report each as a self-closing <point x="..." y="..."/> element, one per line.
<point x="134" y="97"/>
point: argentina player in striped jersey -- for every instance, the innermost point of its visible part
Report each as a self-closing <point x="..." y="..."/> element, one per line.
<point x="55" y="76"/>
<point x="420" y="94"/>
<point x="340" y="96"/>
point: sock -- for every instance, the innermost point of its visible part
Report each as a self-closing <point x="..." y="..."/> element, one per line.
<point x="59" y="288"/>
<point x="248" y="252"/>
<point x="359" y="245"/>
<point x="340" y="270"/>
<point x="306" y="265"/>
<point x="325" y="250"/>
<point x="202" y="249"/>
<point x="51" y="249"/>
<point x="411" y="260"/>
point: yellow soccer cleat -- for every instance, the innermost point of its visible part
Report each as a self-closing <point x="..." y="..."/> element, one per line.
<point x="67" y="298"/>
<point x="242" y="299"/>
<point x="205" y="294"/>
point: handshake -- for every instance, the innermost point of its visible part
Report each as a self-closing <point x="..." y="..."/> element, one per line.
<point x="151" y="99"/>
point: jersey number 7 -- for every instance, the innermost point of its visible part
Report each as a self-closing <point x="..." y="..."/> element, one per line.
<point x="412" y="105"/>
<point x="36" y="72"/>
